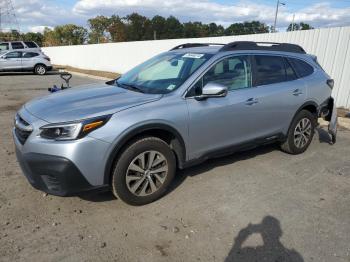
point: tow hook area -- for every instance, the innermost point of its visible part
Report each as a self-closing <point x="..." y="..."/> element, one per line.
<point x="330" y="114"/>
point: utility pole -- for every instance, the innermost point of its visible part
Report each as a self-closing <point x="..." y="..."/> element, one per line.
<point x="276" y="14"/>
<point x="8" y="19"/>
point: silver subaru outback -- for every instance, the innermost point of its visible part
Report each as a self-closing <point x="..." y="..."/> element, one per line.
<point x="175" y="110"/>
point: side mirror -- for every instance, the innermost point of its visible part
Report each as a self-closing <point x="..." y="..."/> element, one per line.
<point x="212" y="89"/>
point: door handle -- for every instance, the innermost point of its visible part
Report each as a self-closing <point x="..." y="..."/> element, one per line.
<point x="297" y="92"/>
<point x="251" y="101"/>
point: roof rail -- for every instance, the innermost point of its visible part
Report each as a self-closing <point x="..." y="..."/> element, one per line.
<point x="188" y="45"/>
<point x="269" y="46"/>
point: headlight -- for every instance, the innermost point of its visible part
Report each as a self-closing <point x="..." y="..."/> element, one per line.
<point x="72" y="130"/>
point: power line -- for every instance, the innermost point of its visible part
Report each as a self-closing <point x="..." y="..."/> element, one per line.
<point x="8" y="19"/>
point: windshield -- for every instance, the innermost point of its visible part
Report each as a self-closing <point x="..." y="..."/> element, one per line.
<point x="163" y="73"/>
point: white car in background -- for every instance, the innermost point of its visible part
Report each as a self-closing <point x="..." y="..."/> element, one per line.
<point x="19" y="45"/>
<point x="34" y="61"/>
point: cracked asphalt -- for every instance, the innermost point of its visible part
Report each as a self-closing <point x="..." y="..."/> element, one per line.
<point x="257" y="205"/>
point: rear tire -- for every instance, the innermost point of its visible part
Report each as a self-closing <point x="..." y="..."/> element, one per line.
<point x="40" y="69"/>
<point x="300" y="133"/>
<point x="144" y="171"/>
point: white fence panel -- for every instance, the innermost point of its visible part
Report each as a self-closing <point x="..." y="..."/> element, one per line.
<point x="330" y="45"/>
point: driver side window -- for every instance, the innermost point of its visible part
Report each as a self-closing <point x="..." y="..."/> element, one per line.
<point x="233" y="72"/>
<point x="13" y="55"/>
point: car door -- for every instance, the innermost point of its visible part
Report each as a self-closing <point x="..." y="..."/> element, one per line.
<point x="219" y="123"/>
<point x="29" y="59"/>
<point x="278" y="95"/>
<point x="12" y="61"/>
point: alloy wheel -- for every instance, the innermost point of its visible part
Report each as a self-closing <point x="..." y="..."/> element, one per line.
<point x="146" y="173"/>
<point x="40" y="70"/>
<point x="302" y="132"/>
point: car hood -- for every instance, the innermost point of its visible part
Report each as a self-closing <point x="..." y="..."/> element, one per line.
<point x="85" y="102"/>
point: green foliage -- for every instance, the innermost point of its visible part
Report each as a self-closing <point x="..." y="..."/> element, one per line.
<point x="98" y="27"/>
<point x="135" y="27"/>
<point x="36" y="37"/>
<point x="117" y="29"/>
<point x="300" y="26"/>
<point x="10" y="36"/>
<point x="173" y="27"/>
<point x="65" y="35"/>
<point x="246" y="28"/>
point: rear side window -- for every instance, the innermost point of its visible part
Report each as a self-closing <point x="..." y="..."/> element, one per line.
<point x="290" y="73"/>
<point x="17" y="45"/>
<point x="4" y="46"/>
<point x="302" y="68"/>
<point x="30" y="54"/>
<point x="269" y="70"/>
<point x="30" y="44"/>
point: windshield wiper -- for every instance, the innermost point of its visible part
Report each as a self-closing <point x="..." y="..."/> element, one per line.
<point x="130" y="87"/>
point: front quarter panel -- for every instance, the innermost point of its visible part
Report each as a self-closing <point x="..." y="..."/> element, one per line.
<point x="169" y="111"/>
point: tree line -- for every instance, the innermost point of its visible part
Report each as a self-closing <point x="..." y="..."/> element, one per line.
<point x="135" y="27"/>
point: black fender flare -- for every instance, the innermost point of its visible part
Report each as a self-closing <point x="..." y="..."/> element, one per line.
<point x="308" y="103"/>
<point x="178" y="145"/>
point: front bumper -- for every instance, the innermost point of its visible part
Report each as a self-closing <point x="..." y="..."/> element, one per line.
<point x="53" y="174"/>
<point x="60" y="168"/>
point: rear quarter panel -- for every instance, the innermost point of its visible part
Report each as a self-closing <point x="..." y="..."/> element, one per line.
<point x="318" y="90"/>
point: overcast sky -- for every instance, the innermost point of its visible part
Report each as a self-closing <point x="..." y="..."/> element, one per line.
<point x="34" y="15"/>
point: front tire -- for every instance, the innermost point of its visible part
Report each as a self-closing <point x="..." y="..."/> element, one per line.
<point x="300" y="133"/>
<point x="40" y="69"/>
<point x="144" y="171"/>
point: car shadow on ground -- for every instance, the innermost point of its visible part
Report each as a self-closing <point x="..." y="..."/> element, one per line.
<point x="181" y="176"/>
<point x="271" y="249"/>
<point x="219" y="161"/>
<point x="323" y="136"/>
<point x="192" y="171"/>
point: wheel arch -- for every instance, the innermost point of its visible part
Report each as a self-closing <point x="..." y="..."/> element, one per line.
<point x="40" y="64"/>
<point x="310" y="106"/>
<point x="163" y="131"/>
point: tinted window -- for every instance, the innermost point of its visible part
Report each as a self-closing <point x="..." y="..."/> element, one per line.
<point x="30" y="44"/>
<point x="269" y="69"/>
<point x="17" y="45"/>
<point x="14" y="55"/>
<point x="233" y="72"/>
<point x="290" y="74"/>
<point x="4" y="46"/>
<point x="30" y="54"/>
<point x="302" y="68"/>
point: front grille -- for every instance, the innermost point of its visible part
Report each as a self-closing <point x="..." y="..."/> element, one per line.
<point x="22" y="129"/>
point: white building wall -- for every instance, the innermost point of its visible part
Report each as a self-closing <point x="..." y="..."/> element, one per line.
<point x="330" y="45"/>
